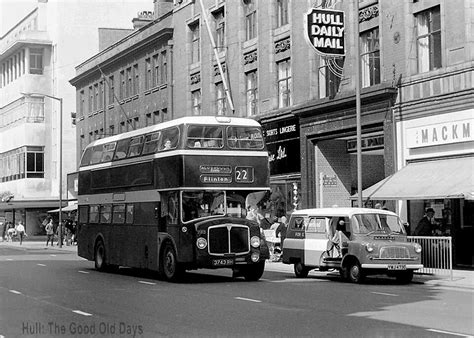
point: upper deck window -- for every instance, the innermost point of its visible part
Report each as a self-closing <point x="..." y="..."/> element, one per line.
<point x="107" y="152"/>
<point x="169" y="138"/>
<point x="136" y="145"/>
<point x="244" y="138"/>
<point x="205" y="137"/>
<point x="151" y="143"/>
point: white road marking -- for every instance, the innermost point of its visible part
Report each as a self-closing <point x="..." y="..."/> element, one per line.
<point x="248" y="299"/>
<point x="53" y="255"/>
<point x="451" y="333"/>
<point x="83" y="271"/>
<point x="298" y="280"/>
<point x="9" y="259"/>
<point x="39" y="264"/>
<point x="15" y="292"/>
<point x="79" y="312"/>
<point x="148" y="283"/>
<point x="385" y="294"/>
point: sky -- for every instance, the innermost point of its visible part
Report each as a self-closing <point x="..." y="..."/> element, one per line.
<point x="12" y="11"/>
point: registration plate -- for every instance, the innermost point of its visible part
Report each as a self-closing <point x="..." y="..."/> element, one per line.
<point x="397" y="267"/>
<point x="223" y="262"/>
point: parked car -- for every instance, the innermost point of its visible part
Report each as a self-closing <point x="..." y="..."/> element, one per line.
<point x="355" y="241"/>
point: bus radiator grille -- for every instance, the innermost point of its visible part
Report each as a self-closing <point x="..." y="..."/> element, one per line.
<point x="229" y="239"/>
<point x="394" y="252"/>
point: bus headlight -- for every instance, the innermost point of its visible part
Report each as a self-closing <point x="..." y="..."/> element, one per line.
<point x="369" y="247"/>
<point x="255" y="257"/>
<point x="417" y="247"/>
<point x="255" y="241"/>
<point x="201" y="243"/>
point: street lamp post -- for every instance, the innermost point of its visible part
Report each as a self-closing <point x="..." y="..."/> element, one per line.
<point x="60" y="158"/>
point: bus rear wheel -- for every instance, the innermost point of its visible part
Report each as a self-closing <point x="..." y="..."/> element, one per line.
<point x="170" y="268"/>
<point x="99" y="256"/>
<point x="254" y="272"/>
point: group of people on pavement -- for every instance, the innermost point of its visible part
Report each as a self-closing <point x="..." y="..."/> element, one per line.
<point x="68" y="232"/>
<point x="11" y="231"/>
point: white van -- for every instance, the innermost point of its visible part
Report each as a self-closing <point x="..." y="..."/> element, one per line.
<point x="355" y="241"/>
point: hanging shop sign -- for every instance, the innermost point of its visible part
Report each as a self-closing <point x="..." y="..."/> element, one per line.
<point x="283" y="143"/>
<point x="325" y="31"/>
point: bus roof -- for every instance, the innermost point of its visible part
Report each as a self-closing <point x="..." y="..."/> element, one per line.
<point x="336" y="211"/>
<point x="204" y="120"/>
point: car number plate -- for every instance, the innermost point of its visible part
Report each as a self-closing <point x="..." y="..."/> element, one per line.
<point x="397" y="267"/>
<point x="223" y="262"/>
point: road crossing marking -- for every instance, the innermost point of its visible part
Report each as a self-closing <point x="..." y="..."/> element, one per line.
<point x="248" y="299"/>
<point x="144" y="282"/>
<point x="451" y="333"/>
<point x="15" y="292"/>
<point x="385" y="294"/>
<point x="39" y="264"/>
<point x="83" y="271"/>
<point x="79" y="312"/>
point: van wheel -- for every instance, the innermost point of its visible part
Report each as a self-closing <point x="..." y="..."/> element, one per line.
<point x="405" y="277"/>
<point x="253" y="272"/>
<point x="99" y="256"/>
<point x="355" y="273"/>
<point x="170" y="268"/>
<point x="301" y="271"/>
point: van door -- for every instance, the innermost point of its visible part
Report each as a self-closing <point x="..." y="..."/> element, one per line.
<point x="315" y="242"/>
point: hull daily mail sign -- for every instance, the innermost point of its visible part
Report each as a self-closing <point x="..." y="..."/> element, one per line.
<point x="325" y="31"/>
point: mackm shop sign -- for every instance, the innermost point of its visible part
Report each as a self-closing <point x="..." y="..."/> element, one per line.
<point x="325" y="31"/>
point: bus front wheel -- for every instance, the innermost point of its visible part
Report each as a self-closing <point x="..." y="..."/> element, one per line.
<point x="170" y="268"/>
<point x="254" y="272"/>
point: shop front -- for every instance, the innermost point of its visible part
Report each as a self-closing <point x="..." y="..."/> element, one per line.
<point x="437" y="172"/>
<point x="282" y="137"/>
<point x="328" y="146"/>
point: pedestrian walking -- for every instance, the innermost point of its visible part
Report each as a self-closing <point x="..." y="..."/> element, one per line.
<point x="49" y="232"/>
<point x="20" y="230"/>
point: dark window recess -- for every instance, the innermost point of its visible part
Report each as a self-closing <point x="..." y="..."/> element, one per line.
<point x="126" y="176"/>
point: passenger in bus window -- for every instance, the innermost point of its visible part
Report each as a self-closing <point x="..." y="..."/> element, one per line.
<point x="197" y="144"/>
<point x="167" y="144"/>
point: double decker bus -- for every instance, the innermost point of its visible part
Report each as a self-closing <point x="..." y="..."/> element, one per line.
<point x="173" y="197"/>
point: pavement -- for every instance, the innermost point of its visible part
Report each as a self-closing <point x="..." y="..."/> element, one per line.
<point x="461" y="279"/>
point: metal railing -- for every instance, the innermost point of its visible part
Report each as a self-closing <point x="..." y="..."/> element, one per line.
<point x="436" y="254"/>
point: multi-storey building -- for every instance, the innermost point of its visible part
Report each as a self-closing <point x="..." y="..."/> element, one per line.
<point x="416" y="60"/>
<point x="37" y="59"/>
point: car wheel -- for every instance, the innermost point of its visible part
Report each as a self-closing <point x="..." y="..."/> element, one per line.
<point x="355" y="273"/>
<point x="405" y="277"/>
<point x="254" y="272"/>
<point x="301" y="271"/>
<point x="170" y="268"/>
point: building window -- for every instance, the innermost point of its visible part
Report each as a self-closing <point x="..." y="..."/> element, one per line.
<point x="282" y="12"/>
<point x="35" y="162"/>
<point x="128" y="91"/>
<point x="148" y="74"/>
<point x="220" y="29"/>
<point x="81" y="103"/>
<point x="122" y="85"/>
<point x="101" y="95"/>
<point x="428" y="39"/>
<point x="111" y="89"/>
<point x="91" y="99"/>
<point x="196" y="102"/>
<point x="96" y="96"/>
<point x="164" y="69"/>
<point x="156" y="70"/>
<point x="370" y="57"/>
<point x="250" y="19"/>
<point x="36" y="61"/>
<point x="329" y="81"/>
<point x="251" y="85"/>
<point x="136" y="80"/>
<point x="284" y="83"/>
<point x="221" y="103"/>
<point x="195" y="43"/>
